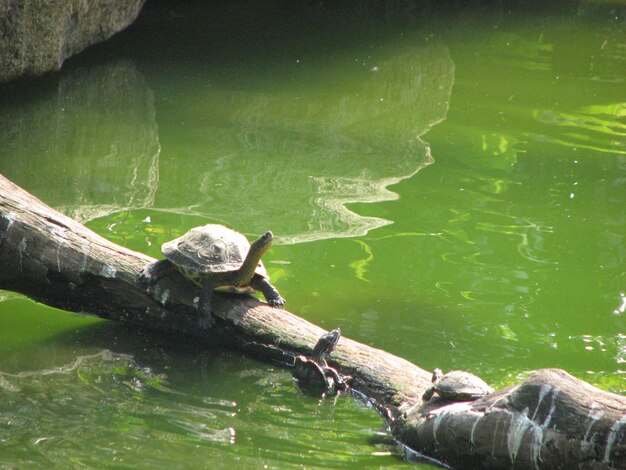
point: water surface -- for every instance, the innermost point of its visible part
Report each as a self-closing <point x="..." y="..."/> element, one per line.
<point x="445" y="184"/>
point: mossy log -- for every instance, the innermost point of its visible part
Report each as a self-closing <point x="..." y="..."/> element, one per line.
<point x="550" y="420"/>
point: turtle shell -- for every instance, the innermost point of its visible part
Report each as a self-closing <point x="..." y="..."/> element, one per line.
<point x="310" y="377"/>
<point x="461" y="385"/>
<point x="209" y="249"/>
<point x="315" y="379"/>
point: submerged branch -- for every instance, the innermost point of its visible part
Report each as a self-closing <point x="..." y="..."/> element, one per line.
<point x="550" y="420"/>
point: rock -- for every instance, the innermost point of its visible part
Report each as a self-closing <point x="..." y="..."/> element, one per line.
<point x="37" y="36"/>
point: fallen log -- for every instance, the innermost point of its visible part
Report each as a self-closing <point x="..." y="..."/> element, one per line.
<point x="550" y="420"/>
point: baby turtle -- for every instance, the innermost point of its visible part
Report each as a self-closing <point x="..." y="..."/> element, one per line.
<point x="216" y="258"/>
<point x="315" y="376"/>
<point x="325" y="345"/>
<point x="457" y="385"/>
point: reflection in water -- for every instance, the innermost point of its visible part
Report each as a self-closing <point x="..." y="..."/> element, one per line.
<point x="594" y="128"/>
<point x="530" y="243"/>
<point x="298" y="158"/>
<point x="105" y="408"/>
<point x="90" y="146"/>
<point x="361" y="265"/>
<point x="292" y="160"/>
<point x="97" y="397"/>
<point x="518" y="52"/>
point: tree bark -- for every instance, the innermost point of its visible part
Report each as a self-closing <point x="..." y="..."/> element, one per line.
<point x="550" y="420"/>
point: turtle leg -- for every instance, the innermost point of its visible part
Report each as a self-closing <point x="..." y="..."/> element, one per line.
<point x="153" y="271"/>
<point x="428" y="394"/>
<point x="204" y="305"/>
<point x="269" y="291"/>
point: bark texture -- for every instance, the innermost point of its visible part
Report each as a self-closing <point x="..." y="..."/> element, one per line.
<point x="550" y="420"/>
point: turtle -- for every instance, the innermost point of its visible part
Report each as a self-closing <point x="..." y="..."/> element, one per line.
<point x="325" y="345"/>
<point x="314" y="375"/>
<point x="216" y="258"/>
<point x="457" y="385"/>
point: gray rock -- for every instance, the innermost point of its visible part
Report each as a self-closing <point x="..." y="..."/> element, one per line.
<point x="36" y="36"/>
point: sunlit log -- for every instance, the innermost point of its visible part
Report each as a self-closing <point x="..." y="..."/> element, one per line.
<point x="550" y="420"/>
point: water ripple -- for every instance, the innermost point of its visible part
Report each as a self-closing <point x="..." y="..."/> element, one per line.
<point x="105" y="409"/>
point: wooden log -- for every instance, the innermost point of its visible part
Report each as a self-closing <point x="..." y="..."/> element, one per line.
<point x="550" y="420"/>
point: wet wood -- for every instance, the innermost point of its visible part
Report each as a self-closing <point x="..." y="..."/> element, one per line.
<point x="551" y="420"/>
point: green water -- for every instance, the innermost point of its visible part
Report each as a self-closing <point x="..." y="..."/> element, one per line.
<point x="446" y="183"/>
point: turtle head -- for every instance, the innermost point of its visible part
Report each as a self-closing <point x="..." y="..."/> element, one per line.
<point x="256" y="251"/>
<point x="267" y="237"/>
<point x="437" y="374"/>
<point x="334" y="336"/>
<point x="260" y="246"/>
<point x="325" y="345"/>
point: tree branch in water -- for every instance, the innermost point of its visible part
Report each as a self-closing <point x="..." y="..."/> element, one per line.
<point x="550" y="420"/>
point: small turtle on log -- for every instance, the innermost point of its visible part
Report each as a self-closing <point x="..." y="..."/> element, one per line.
<point x="216" y="258"/>
<point x="325" y="345"/>
<point x="315" y="376"/>
<point x="457" y="385"/>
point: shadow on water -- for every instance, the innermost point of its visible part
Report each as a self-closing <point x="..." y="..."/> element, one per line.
<point x="176" y="355"/>
<point x="140" y="399"/>
<point x="137" y="389"/>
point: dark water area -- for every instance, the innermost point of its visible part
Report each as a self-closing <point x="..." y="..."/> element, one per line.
<point x="446" y="181"/>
